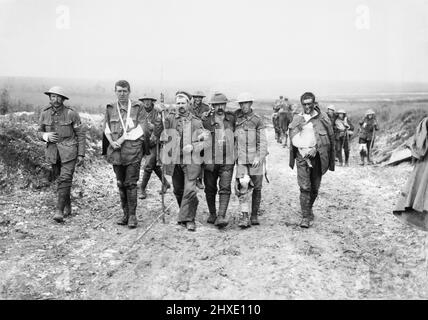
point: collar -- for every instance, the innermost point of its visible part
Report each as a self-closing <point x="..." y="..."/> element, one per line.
<point x="187" y="115"/>
<point x="57" y="110"/>
<point x="313" y="114"/>
<point x="226" y="117"/>
<point x="125" y="108"/>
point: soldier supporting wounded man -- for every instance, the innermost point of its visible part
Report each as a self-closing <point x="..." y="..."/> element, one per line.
<point x="124" y="129"/>
<point x="313" y="151"/>
<point x="250" y="152"/>
<point x="61" y="128"/>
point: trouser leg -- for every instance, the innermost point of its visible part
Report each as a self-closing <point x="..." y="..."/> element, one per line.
<point x="189" y="203"/>
<point x="178" y="183"/>
<point x="120" y="172"/>
<point x="210" y="180"/>
<point x="132" y="174"/>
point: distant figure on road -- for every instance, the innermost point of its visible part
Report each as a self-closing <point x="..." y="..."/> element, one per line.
<point x="285" y="116"/>
<point x="412" y="206"/>
<point x="343" y="129"/>
<point x="368" y="127"/>
<point x="275" y="123"/>
<point x="313" y="152"/>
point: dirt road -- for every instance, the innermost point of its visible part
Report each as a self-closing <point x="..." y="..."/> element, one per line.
<point x="355" y="249"/>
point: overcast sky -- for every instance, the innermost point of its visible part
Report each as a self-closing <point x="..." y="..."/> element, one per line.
<point x="216" y="41"/>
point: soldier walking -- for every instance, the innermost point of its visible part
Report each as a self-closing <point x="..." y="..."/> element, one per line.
<point x="188" y="138"/>
<point x="368" y="126"/>
<point x="276" y="124"/>
<point x="61" y="128"/>
<point x="312" y="150"/>
<point x="343" y="129"/>
<point x="219" y="167"/>
<point x="250" y="152"/>
<point x="124" y="128"/>
<point x="152" y="119"/>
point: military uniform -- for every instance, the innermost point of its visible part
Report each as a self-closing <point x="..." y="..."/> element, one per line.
<point x="153" y="119"/>
<point x="63" y="154"/>
<point x="285" y="116"/>
<point x="183" y="130"/>
<point x="309" y="176"/>
<point x="276" y="126"/>
<point x="219" y="165"/>
<point x="366" y="136"/>
<point x="250" y="143"/>
<point x="341" y="129"/>
<point x="199" y="110"/>
<point x="126" y="160"/>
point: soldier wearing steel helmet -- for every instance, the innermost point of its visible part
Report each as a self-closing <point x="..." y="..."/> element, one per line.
<point x="275" y="123"/>
<point x="152" y="118"/>
<point x="219" y="164"/>
<point x="343" y="129"/>
<point x="368" y="127"/>
<point x="61" y="128"/>
<point x="250" y="153"/>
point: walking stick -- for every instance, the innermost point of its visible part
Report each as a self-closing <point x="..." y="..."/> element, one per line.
<point x="159" y="159"/>
<point x="372" y="143"/>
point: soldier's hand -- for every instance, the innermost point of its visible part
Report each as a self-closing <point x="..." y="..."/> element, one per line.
<point x="53" y="137"/>
<point x="80" y="160"/>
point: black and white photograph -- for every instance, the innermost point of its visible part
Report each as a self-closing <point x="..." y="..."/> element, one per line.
<point x="228" y="150"/>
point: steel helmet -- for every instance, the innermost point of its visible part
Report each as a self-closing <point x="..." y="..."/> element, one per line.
<point x="198" y="94"/>
<point x="341" y="111"/>
<point x="57" y="90"/>
<point x="218" y="98"/>
<point x="147" y="97"/>
<point x="245" y="97"/>
<point x="331" y="107"/>
<point x="370" y="111"/>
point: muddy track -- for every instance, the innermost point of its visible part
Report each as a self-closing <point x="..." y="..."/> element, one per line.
<point x="356" y="248"/>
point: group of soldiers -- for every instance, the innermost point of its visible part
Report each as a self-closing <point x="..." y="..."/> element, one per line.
<point x="199" y="145"/>
<point x="342" y="126"/>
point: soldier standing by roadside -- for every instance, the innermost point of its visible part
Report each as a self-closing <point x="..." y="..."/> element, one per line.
<point x="152" y="120"/>
<point x="198" y="109"/>
<point x="285" y="118"/>
<point x="250" y="152"/>
<point x="312" y="138"/>
<point x="219" y="167"/>
<point x="368" y="126"/>
<point x="61" y="128"/>
<point x="124" y="129"/>
<point x="188" y="136"/>
<point x="343" y="130"/>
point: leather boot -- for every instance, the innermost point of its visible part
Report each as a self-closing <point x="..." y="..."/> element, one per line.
<point x="314" y="196"/>
<point x="144" y="182"/>
<point x="124" y="203"/>
<point x="211" y="207"/>
<point x="165" y="185"/>
<point x="59" y="214"/>
<point x="67" y="207"/>
<point x="255" y="205"/>
<point x="131" y="195"/>
<point x="221" y="220"/>
<point x="305" y="204"/>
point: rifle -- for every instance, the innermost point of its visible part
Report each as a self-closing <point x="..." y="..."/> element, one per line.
<point x="158" y="157"/>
